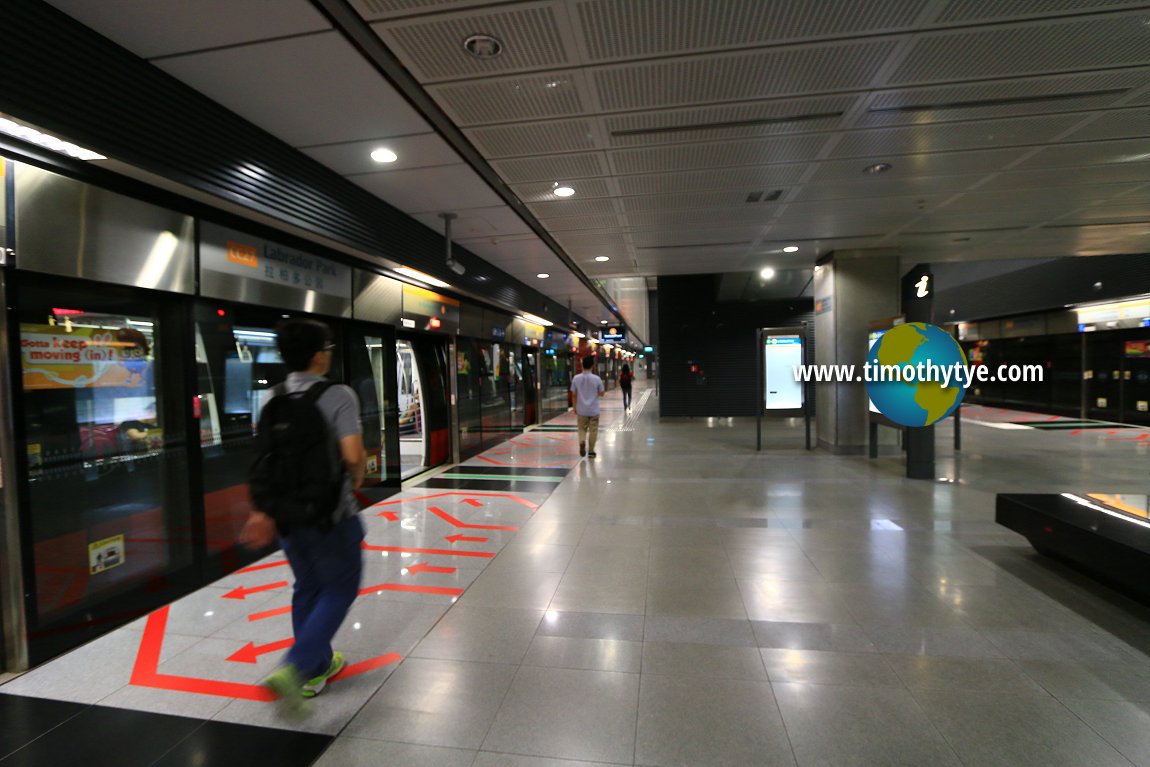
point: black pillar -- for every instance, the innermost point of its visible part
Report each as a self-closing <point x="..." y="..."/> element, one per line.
<point x="917" y="306"/>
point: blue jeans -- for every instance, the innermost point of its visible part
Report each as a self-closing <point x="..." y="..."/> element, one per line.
<point x="327" y="565"/>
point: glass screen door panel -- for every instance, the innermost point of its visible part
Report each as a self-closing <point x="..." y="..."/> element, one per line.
<point x="366" y="362"/>
<point x="412" y="431"/>
<point x="105" y="445"/>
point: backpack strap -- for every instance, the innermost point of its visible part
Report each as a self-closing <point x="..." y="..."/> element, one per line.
<point x="316" y="390"/>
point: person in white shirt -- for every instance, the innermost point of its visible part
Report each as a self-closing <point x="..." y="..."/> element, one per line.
<point x="586" y="389"/>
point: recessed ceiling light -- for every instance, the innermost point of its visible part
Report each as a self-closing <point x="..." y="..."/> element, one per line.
<point x="767" y="273"/>
<point x="564" y="191"/>
<point x="791" y="249"/>
<point x="602" y="322"/>
<point x="543" y="275"/>
<point x="878" y="167"/>
<point x="602" y="258"/>
<point x="384" y="155"/>
<point x="483" y="46"/>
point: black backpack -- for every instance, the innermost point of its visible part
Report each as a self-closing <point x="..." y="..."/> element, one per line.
<point x="295" y="478"/>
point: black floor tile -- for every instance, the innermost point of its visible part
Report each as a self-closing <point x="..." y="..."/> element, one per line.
<point x="24" y="719"/>
<point x="99" y="736"/>
<point x="493" y="485"/>
<point x="495" y="471"/>
<point x="223" y="744"/>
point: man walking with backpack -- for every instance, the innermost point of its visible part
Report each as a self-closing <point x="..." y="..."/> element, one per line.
<point x="310" y="460"/>
<point x="586" y="389"/>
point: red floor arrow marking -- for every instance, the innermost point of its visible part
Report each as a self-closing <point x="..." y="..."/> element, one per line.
<point x="471" y="502"/>
<point x="269" y="613"/>
<point x="444" y="552"/>
<point x="472" y="494"/>
<point x="460" y="523"/>
<point x="145" y="674"/>
<point x="411" y="588"/>
<point x="241" y="592"/>
<point x="461" y="537"/>
<point x="423" y="567"/>
<point x="391" y="516"/>
<point x="264" y="566"/>
<point x="251" y="652"/>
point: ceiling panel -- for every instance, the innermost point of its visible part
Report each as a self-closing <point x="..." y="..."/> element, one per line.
<point x="150" y="28"/>
<point x="572" y="207"/>
<point x="432" y="47"/>
<point x="354" y="157"/>
<point x="1116" y="153"/>
<point x="980" y="134"/>
<point x="541" y="191"/>
<point x="877" y="187"/>
<point x="322" y="75"/>
<point x="489" y="223"/>
<point x="937" y="164"/>
<point x="1124" y="123"/>
<point x="980" y="10"/>
<point x="512" y="99"/>
<point x="717" y="154"/>
<point x="583" y="223"/>
<point x="697" y="201"/>
<point x="1029" y="49"/>
<point x="374" y="10"/>
<point x="1062" y="177"/>
<point x="430" y="190"/>
<point x="661" y="27"/>
<point x="749" y="179"/>
<point x="740" y="77"/>
<point x="540" y="138"/>
<point x="567" y="167"/>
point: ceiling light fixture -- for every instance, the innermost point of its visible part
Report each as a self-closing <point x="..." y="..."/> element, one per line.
<point x="601" y="259"/>
<point x="417" y="275"/>
<point x="791" y="249"/>
<point x="767" y="273"/>
<point x="33" y="136"/>
<point x="383" y="154"/>
<point x="543" y="275"/>
<point x="602" y="322"/>
<point x="483" y="46"/>
<point x="562" y="190"/>
<point x="878" y="167"/>
<point x="535" y="320"/>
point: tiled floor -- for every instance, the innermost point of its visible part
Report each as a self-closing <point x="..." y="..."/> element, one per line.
<point x="686" y="600"/>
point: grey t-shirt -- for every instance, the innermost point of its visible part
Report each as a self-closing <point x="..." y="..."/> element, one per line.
<point x="340" y="407"/>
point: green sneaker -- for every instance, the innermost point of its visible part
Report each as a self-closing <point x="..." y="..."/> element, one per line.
<point x="286" y="683"/>
<point x="314" y="687"/>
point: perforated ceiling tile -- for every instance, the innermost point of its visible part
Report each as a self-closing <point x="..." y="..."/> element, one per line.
<point x="1090" y="153"/>
<point x="938" y="164"/>
<point x="541" y="191"/>
<point x="510" y="99"/>
<point x="717" y="154"/>
<point x="1026" y="49"/>
<point x="949" y="222"/>
<point x="868" y="186"/>
<point x="697" y="218"/>
<point x="373" y="10"/>
<point x="432" y="47"/>
<point x="690" y="202"/>
<point x="1138" y="172"/>
<point x="620" y="29"/>
<point x="762" y="118"/>
<point x="742" y="76"/>
<point x="739" y="179"/>
<point x="980" y="10"/>
<point x="979" y="134"/>
<point x="671" y="240"/>
<point x="582" y="223"/>
<point x="561" y="167"/>
<point x="1001" y="99"/>
<point x="1125" y="123"/>
<point x="573" y="206"/>
<point x="524" y="140"/>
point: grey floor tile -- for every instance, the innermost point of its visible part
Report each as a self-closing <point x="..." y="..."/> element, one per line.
<point x="592" y="654"/>
<point x="1034" y="729"/>
<point x="489" y="759"/>
<point x="711" y="631"/>
<point x="820" y="667"/>
<point x="833" y="726"/>
<point x="482" y="634"/>
<point x="812" y="636"/>
<point x="628" y="628"/>
<point x="517" y="590"/>
<point x="923" y="672"/>
<point x="685" y="722"/>
<point x="695" y="598"/>
<point x="567" y="714"/>
<point x="355" y="752"/>
<point x="1081" y="647"/>
<point x="1104" y="681"/>
<point x="537" y="557"/>
<point x="793" y="601"/>
<point x="1124" y="725"/>
<point x="437" y="703"/>
<point x="913" y="640"/>
<point x="716" y="661"/>
<point x="601" y="591"/>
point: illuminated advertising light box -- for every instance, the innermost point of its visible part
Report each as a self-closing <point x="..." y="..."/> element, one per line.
<point x="782" y="355"/>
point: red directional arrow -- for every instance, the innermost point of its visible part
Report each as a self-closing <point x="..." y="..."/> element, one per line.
<point x="264" y="566"/>
<point x="423" y="567"/>
<point x="251" y="652"/>
<point x="471" y="502"/>
<point x="390" y="516"/>
<point x="461" y="537"/>
<point x="243" y="591"/>
<point x="460" y="523"/>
